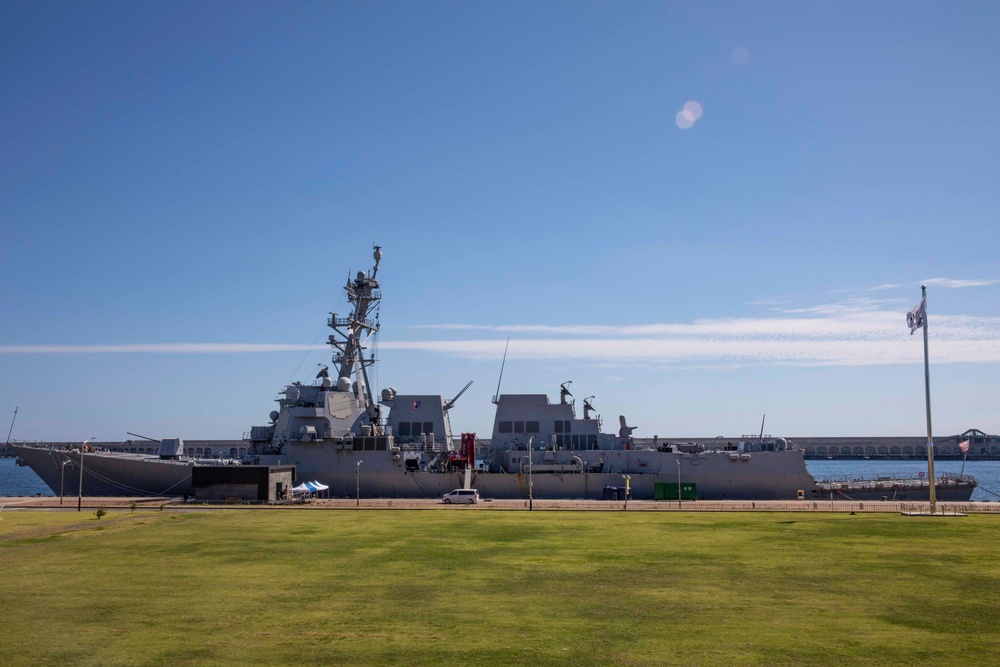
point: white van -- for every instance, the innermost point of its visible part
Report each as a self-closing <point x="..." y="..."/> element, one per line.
<point x="469" y="496"/>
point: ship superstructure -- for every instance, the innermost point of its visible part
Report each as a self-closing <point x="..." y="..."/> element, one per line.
<point x="330" y="411"/>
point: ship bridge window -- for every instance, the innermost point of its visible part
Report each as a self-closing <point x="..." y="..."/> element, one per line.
<point x="518" y="427"/>
<point x="531" y="427"/>
<point x="428" y="427"/>
<point x="403" y="428"/>
<point x="506" y="427"/>
<point x="559" y="426"/>
<point x="415" y="428"/>
<point x="562" y="426"/>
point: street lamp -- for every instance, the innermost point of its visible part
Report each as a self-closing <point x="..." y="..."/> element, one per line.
<point x="79" y="497"/>
<point x="357" y="482"/>
<point x="62" y="480"/>
<point x="531" y="499"/>
<point x="628" y="488"/>
<point x="678" y="482"/>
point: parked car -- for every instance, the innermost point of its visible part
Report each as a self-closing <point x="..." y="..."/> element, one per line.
<point x="468" y="496"/>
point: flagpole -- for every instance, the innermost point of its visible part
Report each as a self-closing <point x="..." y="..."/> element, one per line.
<point x="927" y="394"/>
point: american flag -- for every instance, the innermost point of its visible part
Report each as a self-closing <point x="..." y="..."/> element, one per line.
<point x="964" y="446"/>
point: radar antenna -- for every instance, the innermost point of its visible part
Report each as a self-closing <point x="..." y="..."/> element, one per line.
<point x="377" y="255"/>
<point x="564" y="392"/>
<point x="588" y="407"/>
<point x="325" y="373"/>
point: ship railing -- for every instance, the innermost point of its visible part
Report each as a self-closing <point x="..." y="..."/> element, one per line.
<point x="420" y="447"/>
<point x="347" y="321"/>
<point x="889" y="478"/>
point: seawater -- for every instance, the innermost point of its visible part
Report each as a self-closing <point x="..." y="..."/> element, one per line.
<point x="18" y="481"/>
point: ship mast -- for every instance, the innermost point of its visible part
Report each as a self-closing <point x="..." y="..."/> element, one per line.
<point x="354" y="330"/>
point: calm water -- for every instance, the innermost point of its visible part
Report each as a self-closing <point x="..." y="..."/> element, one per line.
<point x="15" y="481"/>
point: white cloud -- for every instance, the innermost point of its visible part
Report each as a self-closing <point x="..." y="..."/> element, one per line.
<point x="955" y="283"/>
<point x="874" y="288"/>
<point x="158" y="348"/>
<point x="853" y="333"/>
<point x="726" y="352"/>
<point x="852" y="305"/>
<point x="837" y="337"/>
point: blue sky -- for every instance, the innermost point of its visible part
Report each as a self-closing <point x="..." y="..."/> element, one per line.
<point x="184" y="188"/>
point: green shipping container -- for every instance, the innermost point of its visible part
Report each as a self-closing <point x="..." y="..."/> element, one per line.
<point x="668" y="491"/>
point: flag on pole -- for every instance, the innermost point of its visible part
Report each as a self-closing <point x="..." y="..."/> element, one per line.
<point x="964" y="446"/>
<point x="917" y="318"/>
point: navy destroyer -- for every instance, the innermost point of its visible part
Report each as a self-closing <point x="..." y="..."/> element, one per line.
<point x="335" y="430"/>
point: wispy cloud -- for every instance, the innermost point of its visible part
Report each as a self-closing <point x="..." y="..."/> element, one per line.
<point x="850" y="305"/>
<point x="956" y="283"/>
<point x="855" y="332"/>
<point x="861" y="298"/>
<point x="829" y="336"/>
<point x="873" y="288"/>
<point x="158" y="348"/>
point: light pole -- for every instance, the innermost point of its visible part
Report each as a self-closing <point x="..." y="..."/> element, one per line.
<point x="79" y="497"/>
<point x="62" y="480"/>
<point x="357" y="482"/>
<point x="628" y="489"/>
<point x="678" y="482"/>
<point x="531" y="500"/>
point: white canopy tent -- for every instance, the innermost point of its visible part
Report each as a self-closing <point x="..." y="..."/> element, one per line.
<point x="310" y="487"/>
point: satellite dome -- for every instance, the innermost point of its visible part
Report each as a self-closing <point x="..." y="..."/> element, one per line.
<point x="292" y="393"/>
<point x="343" y="383"/>
<point x="274" y="415"/>
<point x="388" y="394"/>
<point x="326" y="382"/>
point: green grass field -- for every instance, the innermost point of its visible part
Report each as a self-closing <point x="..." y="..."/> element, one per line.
<point x="302" y="587"/>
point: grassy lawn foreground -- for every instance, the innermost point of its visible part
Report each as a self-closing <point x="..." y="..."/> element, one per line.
<point x="497" y="588"/>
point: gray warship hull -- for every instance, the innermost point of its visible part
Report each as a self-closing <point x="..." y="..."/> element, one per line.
<point x="106" y="473"/>
<point x="717" y="476"/>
